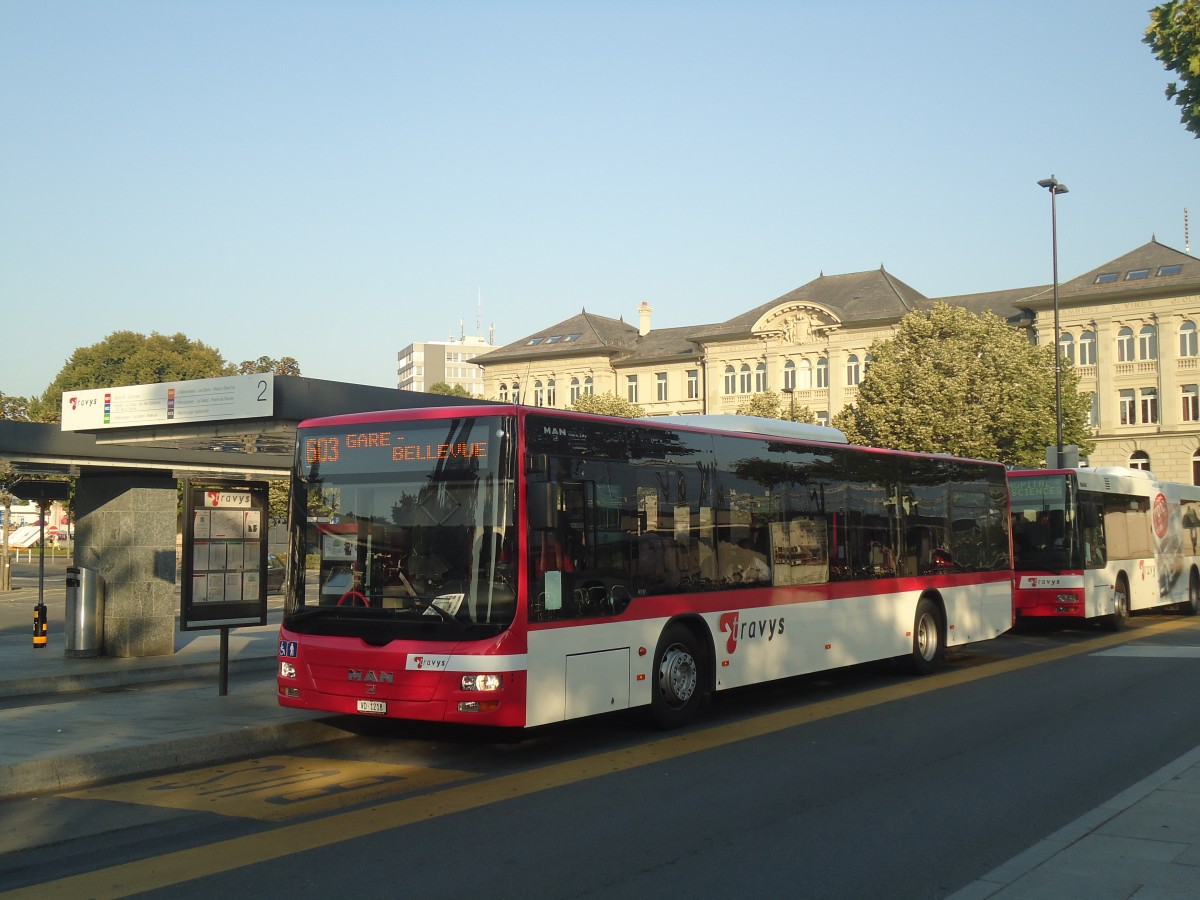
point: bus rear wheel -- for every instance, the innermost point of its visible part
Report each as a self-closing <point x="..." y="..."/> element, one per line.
<point x="678" y="678"/>
<point x="928" y="638"/>
<point x="1120" y="614"/>
<point x="1191" y="606"/>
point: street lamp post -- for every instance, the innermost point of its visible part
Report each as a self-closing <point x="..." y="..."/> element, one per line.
<point x="1055" y="188"/>
<point x="791" y="392"/>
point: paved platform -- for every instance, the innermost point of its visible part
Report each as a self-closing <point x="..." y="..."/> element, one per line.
<point x="66" y="723"/>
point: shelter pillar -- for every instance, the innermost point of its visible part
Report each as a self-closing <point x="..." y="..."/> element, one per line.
<point x="125" y="530"/>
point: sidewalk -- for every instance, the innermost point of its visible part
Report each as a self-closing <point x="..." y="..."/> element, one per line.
<point x="69" y="722"/>
<point x="1143" y="844"/>
<point x="66" y="723"/>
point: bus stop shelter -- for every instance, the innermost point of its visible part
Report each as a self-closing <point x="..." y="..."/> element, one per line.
<point x="128" y="448"/>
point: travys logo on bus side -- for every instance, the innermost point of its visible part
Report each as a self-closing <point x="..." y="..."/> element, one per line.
<point x="752" y="629"/>
<point x="1147" y="570"/>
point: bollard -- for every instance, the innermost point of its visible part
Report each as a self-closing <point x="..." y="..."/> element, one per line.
<point x="39" y="627"/>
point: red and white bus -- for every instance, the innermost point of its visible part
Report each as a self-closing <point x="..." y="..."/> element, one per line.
<point x="1100" y="543"/>
<point x="514" y="566"/>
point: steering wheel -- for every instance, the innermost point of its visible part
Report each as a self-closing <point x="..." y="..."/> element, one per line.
<point x="354" y="597"/>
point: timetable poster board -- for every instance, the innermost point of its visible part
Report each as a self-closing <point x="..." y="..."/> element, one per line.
<point x="224" y="555"/>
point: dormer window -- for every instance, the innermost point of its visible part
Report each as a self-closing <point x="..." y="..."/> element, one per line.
<point x="1170" y="270"/>
<point x="1137" y="274"/>
<point x="1106" y="278"/>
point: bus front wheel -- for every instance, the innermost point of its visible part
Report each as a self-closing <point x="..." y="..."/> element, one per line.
<point x="678" y="678"/>
<point x="928" y="641"/>
<point x="1120" y="613"/>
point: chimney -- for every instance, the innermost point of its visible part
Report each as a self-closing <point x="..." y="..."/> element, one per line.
<point x="643" y="312"/>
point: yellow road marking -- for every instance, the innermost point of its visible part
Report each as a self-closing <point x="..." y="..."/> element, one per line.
<point x="223" y="856"/>
<point x="275" y="788"/>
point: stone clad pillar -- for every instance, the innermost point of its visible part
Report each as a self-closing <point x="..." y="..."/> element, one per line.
<point x="125" y="530"/>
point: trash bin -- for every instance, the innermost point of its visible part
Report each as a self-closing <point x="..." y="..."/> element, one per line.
<point x="85" y="612"/>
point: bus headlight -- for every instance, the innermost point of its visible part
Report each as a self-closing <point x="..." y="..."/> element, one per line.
<point x="286" y="670"/>
<point x="481" y="682"/>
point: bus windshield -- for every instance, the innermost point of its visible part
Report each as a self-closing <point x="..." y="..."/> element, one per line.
<point x="413" y="526"/>
<point x="1043" y="523"/>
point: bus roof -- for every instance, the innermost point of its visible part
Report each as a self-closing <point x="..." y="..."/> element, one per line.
<point x="801" y="431"/>
<point x="737" y="424"/>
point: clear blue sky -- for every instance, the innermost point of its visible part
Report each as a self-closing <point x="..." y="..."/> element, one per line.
<point x="334" y="180"/>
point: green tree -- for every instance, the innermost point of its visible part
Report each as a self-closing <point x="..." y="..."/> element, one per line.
<point x="1174" y="36"/>
<point x="442" y="387"/>
<point x="127" y="357"/>
<point x="954" y="382"/>
<point x="14" y="408"/>
<point x="770" y="405"/>
<point x="607" y="405"/>
<point x="285" y="366"/>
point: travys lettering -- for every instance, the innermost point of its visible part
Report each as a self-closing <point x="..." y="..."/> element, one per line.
<point x="751" y="629"/>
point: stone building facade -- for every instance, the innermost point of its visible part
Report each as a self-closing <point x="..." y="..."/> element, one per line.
<point x="1129" y="327"/>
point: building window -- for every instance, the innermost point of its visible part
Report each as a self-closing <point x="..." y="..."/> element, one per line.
<point x="631" y="391"/>
<point x="1191" y="403"/>
<point x="693" y="384"/>
<point x="503" y="392"/>
<point x="539" y="394"/>
<point x="1125" y="345"/>
<point x="1128" y="408"/>
<point x="551" y="393"/>
<point x="574" y="391"/>
<point x="760" y="378"/>
<point x="853" y="372"/>
<point x="744" y="378"/>
<point x="1187" y="339"/>
<point x="1093" y="413"/>
<point x="823" y="372"/>
<point x="587" y="385"/>
<point x="868" y="361"/>
<point x="1139" y="459"/>
<point x="516" y="392"/>
<point x="1149" y="406"/>
<point x="789" y="376"/>
<point x="1148" y="342"/>
<point x="730" y="380"/>
<point x="1087" y="348"/>
<point x="822" y="418"/>
<point x="1066" y="346"/>
<point x="660" y="381"/>
<point x="1196" y="467"/>
<point x="804" y="375"/>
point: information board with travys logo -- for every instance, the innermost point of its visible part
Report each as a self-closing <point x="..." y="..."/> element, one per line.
<point x="169" y="403"/>
<point x="224" y="555"/>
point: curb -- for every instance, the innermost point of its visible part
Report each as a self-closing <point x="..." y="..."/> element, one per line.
<point x="89" y="769"/>
<point x="44" y="685"/>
